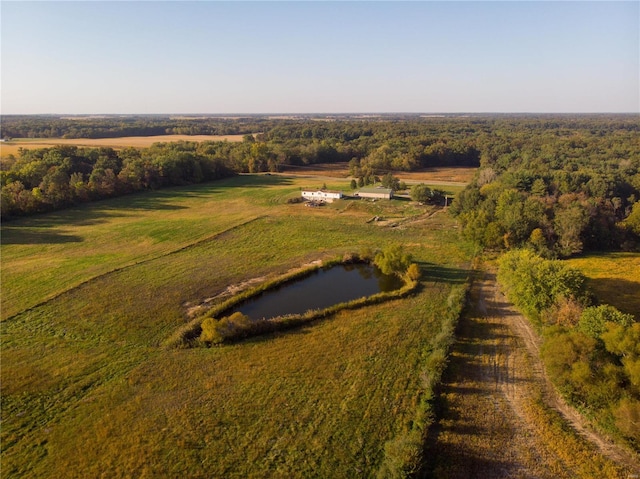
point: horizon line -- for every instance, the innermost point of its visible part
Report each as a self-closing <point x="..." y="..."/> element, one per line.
<point x="359" y="113"/>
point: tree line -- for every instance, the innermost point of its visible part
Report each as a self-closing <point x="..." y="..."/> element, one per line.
<point x="47" y="126"/>
<point x="559" y="184"/>
<point x="54" y="178"/>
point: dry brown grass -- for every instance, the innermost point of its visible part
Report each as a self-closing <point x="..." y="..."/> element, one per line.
<point x="462" y="174"/>
<point x="12" y="147"/>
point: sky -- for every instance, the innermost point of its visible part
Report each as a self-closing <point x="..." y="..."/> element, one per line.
<point x="125" y="57"/>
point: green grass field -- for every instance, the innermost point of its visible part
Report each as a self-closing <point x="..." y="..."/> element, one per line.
<point x="614" y="278"/>
<point x="90" y="294"/>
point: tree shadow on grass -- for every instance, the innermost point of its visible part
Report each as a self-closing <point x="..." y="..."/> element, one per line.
<point x="620" y="293"/>
<point x="262" y="180"/>
<point x="26" y="230"/>
<point x="296" y="330"/>
<point x="11" y="235"/>
<point x="443" y="274"/>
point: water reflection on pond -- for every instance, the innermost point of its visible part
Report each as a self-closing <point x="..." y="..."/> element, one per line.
<point x="321" y="289"/>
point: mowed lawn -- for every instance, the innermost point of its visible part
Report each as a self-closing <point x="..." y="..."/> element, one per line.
<point x="90" y="294"/>
<point x="614" y="278"/>
<point x="47" y="254"/>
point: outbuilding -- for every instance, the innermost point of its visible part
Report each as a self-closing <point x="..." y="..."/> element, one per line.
<point x="378" y="193"/>
<point x="321" y="195"/>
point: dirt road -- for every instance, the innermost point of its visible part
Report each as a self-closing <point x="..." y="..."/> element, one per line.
<point x="499" y="415"/>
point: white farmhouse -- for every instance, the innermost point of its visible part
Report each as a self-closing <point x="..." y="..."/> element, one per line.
<point x="321" y="195"/>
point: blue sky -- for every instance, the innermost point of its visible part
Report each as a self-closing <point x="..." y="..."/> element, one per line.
<point x="303" y="57"/>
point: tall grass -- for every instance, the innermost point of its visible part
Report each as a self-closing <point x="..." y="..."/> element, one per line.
<point x="404" y="453"/>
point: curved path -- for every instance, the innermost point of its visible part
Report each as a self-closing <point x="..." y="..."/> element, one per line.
<point x="499" y="415"/>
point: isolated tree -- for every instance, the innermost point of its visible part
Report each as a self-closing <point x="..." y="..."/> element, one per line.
<point x="390" y="181"/>
<point x="393" y="260"/>
<point x="421" y="193"/>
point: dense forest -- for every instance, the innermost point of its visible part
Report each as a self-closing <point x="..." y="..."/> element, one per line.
<point x="558" y="184"/>
<point x="47" y="126"/>
<point x="558" y="190"/>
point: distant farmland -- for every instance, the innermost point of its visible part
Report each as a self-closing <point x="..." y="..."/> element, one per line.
<point x="437" y="176"/>
<point x="12" y="147"/>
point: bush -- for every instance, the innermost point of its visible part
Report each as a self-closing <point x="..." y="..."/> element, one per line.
<point x="235" y="326"/>
<point x="536" y="284"/>
<point x="402" y="456"/>
<point x="624" y="341"/>
<point x="593" y="321"/>
<point x="393" y="260"/>
<point x="627" y="415"/>
<point x="209" y="332"/>
<point x="206" y="330"/>
<point x="421" y="193"/>
<point x="592" y="354"/>
<point x="413" y="272"/>
<point x="566" y="312"/>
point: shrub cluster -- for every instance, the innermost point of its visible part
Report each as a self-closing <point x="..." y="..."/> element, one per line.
<point x="393" y="260"/>
<point x="591" y="353"/>
<point x="536" y="284"/>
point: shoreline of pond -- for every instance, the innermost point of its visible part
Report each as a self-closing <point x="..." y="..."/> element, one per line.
<point x="188" y="335"/>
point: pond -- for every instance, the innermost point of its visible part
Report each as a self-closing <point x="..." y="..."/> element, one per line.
<point x="319" y="290"/>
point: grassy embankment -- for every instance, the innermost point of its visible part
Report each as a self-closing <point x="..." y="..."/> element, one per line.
<point x="90" y="294"/>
